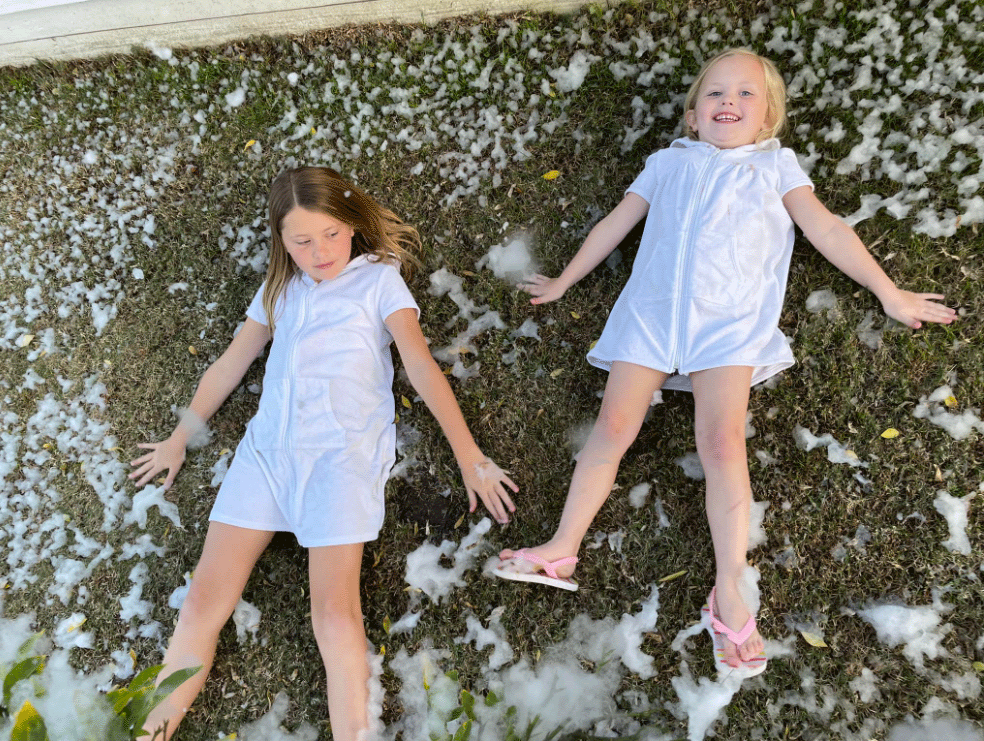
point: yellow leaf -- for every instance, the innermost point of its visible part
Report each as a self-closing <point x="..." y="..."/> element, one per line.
<point x="591" y="346"/>
<point x="250" y="143"/>
<point x="382" y="650"/>
<point x="950" y="401"/>
<point x="813" y="639"/>
<point x="552" y="175"/>
<point x="552" y="94"/>
<point x="387" y="624"/>
<point x="405" y="401"/>
<point x="851" y="454"/>
<point x="192" y="350"/>
<point x="458" y="523"/>
<point x="313" y="131"/>
<point x="28" y="723"/>
<point x="76" y="626"/>
<point x="469" y="273"/>
<point x="671" y="577"/>
<point x="25" y="340"/>
<point x="890" y="434"/>
<point x="554" y="374"/>
<point x="224" y="451"/>
<point x="979" y="666"/>
<point x="575" y="315"/>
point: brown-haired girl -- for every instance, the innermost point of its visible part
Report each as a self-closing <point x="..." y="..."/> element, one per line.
<point x="700" y="313"/>
<point x="315" y="458"/>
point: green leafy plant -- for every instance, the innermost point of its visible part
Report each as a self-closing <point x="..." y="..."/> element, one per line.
<point x="130" y="705"/>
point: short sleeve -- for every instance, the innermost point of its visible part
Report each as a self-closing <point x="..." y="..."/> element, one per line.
<point x="393" y="293"/>
<point x="255" y="310"/>
<point x="645" y="183"/>
<point x="791" y="175"/>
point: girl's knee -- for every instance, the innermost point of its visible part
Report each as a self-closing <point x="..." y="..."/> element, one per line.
<point x="615" y="428"/>
<point x="204" y="606"/>
<point x="333" y="621"/>
<point x="721" y="444"/>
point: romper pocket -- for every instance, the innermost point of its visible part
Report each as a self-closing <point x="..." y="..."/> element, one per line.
<point x="312" y="420"/>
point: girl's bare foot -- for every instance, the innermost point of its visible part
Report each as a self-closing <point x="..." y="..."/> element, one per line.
<point x="730" y="609"/>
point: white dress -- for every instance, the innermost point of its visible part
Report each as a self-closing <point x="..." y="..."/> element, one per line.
<point x="315" y="458"/>
<point x="708" y="282"/>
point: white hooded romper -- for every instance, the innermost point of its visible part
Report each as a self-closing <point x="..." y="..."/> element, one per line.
<point x="708" y="282"/>
<point x="315" y="458"/>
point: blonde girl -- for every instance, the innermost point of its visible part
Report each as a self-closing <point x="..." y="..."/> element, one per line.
<point x="700" y="312"/>
<point x="315" y="458"/>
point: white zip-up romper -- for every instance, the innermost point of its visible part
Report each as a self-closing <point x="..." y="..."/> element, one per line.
<point x="708" y="282"/>
<point x="315" y="458"/>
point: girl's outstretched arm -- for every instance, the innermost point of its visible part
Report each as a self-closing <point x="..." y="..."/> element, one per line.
<point x="601" y="240"/>
<point x="836" y="241"/>
<point x="482" y="477"/>
<point x="218" y="381"/>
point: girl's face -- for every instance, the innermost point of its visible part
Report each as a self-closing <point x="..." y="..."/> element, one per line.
<point x="318" y="244"/>
<point x="731" y="108"/>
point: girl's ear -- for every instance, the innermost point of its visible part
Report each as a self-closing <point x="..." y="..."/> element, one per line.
<point x="691" y="119"/>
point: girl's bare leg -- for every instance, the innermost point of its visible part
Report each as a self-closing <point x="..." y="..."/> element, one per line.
<point x="336" y="614"/>
<point x="628" y="394"/>
<point x="721" y="405"/>
<point x="227" y="559"/>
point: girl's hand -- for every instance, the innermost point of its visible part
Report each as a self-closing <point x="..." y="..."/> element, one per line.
<point x="542" y="288"/>
<point x="488" y="481"/>
<point x="912" y="309"/>
<point x="168" y="455"/>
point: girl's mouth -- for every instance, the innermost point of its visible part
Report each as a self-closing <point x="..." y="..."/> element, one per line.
<point x="727" y="118"/>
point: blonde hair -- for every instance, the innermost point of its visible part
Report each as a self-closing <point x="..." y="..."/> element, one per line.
<point x="379" y="232"/>
<point x="775" y="94"/>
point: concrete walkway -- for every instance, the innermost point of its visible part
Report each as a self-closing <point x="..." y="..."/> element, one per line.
<point x="77" y="29"/>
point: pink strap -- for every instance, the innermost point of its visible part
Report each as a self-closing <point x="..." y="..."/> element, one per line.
<point x="736" y="638"/>
<point x="549" y="567"/>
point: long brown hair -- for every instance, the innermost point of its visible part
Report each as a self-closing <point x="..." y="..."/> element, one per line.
<point x="379" y="232"/>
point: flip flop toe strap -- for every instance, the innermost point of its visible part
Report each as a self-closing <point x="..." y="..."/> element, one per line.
<point x="737" y="638"/>
<point x="549" y="567"/>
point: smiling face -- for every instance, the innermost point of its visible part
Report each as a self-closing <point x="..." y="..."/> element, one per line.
<point x="731" y="108"/>
<point x="318" y="244"/>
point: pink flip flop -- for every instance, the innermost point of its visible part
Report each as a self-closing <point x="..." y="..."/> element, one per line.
<point x="719" y="631"/>
<point x="548" y="576"/>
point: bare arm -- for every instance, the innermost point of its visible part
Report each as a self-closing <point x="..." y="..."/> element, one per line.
<point x="600" y="242"/>
<point x="481" y="476"/>
<point x="218" y="381"/>
<point x="836" y="241"/>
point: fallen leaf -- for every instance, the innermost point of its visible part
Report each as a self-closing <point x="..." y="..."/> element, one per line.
<point x="813" y="639"/>
<point x="458" y="523"/>
<point x="250" y="143"/>
<point x="939" y="474"/>
<point x="192" y="350"/>
<point x="890" y="434"/>
<point x="552" y="175"/>
<point x="979" y="666"/>
<point x="950" y="401"/>
<point x="575" y="315"/>
<point x="25" y="340"/>
<point x="671" y="577"/>
<point x="387" y="624"/>
<point x="554" y="374"/>
<point x="406" y="402"/>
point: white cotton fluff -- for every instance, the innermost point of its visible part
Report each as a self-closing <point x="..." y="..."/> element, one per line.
<point x="756" y="530"/>
<point x="701" y="702"/>
<point x="425" y="573"/>
<point x="960" y="426"/>
<point x="917" y="629"/>
<point x="822" y="300"/>
<point x="494" y="635"/>
<point x="236" y="98"/>
<point x="270" y="728"/>
<point x="836" y="453"/>
<point x="143" y="500"/>
<point x="866" y="686"/>
<point x="570" y="78"/>
<point x="956" y="511"/>
<point x="68" y="632"/>
<point x="639" y="493"/>
<point x="247" y="620"/>
<point x="691" y="465"/>
<point x="510" y="260"/>
<point x="935" y="730"/>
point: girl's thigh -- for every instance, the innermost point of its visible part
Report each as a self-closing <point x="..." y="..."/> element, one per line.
<point x="228" y="558"/>
<point x="721" y="396"/>
<point x="632" y="386"/>
<point x="334" y="571"/>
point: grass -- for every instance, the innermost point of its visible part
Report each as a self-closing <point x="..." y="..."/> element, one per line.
<point x="121" y="108"/>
